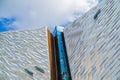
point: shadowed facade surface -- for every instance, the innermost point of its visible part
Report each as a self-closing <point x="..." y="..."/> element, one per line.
<point x="93" y="43"/>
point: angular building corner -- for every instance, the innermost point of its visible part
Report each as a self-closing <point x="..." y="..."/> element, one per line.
<point x="93" y="43"/>
<point x="88" y="49"/>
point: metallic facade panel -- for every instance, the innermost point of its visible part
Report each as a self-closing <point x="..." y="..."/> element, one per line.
<point x="93" y="43"/>
<point x="24" y="55"/>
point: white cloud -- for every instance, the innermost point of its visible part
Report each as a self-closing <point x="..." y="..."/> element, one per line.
<point x="36" y="13"/>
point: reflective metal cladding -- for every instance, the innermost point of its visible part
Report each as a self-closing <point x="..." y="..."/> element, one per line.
<point x="24" y="55"/>
<point x="93" y="45"/>
<point x="89" y="49"/>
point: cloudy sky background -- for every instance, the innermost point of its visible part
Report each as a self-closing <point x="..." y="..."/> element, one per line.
<point x="23" y="14"/>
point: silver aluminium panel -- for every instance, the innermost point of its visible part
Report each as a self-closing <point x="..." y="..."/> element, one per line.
<point x="24" y="55"/>
<point x="93" y="43"/>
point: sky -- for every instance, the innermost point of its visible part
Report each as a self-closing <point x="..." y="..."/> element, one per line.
<point x="26" y="14"/>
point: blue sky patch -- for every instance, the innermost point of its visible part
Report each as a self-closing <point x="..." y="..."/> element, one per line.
<point x="6" y="24"/>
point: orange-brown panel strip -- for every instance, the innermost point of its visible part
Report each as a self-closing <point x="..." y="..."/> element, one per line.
<point x="51" y="55"/>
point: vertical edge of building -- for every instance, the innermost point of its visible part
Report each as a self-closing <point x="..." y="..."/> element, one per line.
<point x="51" y="55"/>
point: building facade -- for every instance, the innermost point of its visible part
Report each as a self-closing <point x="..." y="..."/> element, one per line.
<point x="88" y="49"/>
<point x="93" y="43"/>
<point x="26" y="55"/>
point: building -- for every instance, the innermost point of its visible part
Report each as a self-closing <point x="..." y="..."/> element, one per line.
<point x="26" y="55"/>
<point x="93" y="43"/>
<point x="88" y="49"/>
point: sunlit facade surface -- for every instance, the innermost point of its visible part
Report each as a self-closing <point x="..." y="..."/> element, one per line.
<point x="24" y="55"/>
<point x="93" y="43"/>
<point x="88" y="49"/>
